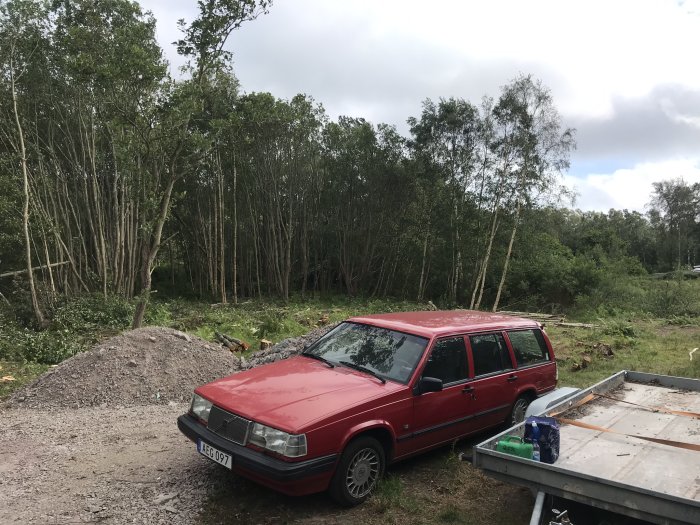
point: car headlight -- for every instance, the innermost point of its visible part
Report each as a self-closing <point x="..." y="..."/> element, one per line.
<point x="200" y="407"/>
<point x="290" y="445"/>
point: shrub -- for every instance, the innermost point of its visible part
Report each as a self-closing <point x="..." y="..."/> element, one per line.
<point x="91" y="312"/>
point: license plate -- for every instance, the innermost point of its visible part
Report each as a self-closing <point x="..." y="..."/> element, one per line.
<point x="214" y="454"/>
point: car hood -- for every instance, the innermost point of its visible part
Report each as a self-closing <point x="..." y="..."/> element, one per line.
<point x="294" y="393"/>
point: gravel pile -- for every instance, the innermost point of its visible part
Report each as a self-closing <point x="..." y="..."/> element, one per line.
<point x="140" y="367"/>
<point x="147" y="366"/>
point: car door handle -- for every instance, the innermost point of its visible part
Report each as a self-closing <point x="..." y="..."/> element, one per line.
<point x="512" y="378"/>
<point x="468" y="390"/>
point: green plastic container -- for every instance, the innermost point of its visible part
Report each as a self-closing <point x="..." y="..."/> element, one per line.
<point x="515" y="446"/>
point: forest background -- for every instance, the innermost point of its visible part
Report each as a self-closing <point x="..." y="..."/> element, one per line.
<point x="130" y="196"/>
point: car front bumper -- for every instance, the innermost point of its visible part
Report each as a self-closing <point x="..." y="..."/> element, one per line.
<point x="294" y="478"/>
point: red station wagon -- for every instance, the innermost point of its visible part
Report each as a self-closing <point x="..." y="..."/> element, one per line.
<point x="374" y="390"/>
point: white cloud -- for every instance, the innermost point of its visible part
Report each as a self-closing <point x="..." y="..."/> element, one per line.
<point x="588" y="51"/>
<point x="629" y="188"/>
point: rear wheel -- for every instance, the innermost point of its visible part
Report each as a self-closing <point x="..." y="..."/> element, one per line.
<point x="517" y="413"/>
<point x="360" y="468"/>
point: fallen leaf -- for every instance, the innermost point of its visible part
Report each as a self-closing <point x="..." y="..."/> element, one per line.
<point x="7" y="379"/>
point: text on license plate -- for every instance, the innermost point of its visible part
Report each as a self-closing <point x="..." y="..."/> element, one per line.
<point x="214" y="454"/>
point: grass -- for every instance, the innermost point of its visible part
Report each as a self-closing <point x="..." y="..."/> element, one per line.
<point x="21" y="374"/>
<point x="253" y="320"/>
<point x="642" y="345"/>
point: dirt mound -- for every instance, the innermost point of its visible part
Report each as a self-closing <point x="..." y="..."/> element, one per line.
<point x="147" y="366"/>
<point x="140" y="367"/>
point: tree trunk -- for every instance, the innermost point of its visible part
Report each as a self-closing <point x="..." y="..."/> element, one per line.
<point x="222" y="246"/>
<point x="38" y="314"/>
<point x="507" y="261"/>
<point x="423" y="276"/>
<point x="234" y="248"/>
<point x="147" y="263"/>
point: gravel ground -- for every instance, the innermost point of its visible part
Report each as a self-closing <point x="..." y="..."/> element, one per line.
<point x="95" y="440"/>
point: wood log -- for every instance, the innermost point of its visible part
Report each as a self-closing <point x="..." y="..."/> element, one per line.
<point x="20" y="272"/>
<point x="233" y="344"/>
<point x="575" y="325"/>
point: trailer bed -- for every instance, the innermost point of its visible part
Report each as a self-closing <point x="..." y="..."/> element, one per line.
<point x="621" y="468"/>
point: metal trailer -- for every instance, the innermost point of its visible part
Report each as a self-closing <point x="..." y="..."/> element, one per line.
<point x="632" y="446"/>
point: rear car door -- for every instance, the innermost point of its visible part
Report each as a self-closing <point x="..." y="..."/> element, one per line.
<point x="494" y="385"/>
<point x="533" y="359"/>
<point x="440" y="416"/>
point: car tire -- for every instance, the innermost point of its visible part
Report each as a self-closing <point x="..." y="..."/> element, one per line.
<point x="360" y="468"/>
<point x="517" y="413"/>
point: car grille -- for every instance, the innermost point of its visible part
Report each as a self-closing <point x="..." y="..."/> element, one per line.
<point x="229" y="426"/>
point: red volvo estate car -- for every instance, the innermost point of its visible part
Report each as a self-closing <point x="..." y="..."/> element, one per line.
<point x="373" y="390"/>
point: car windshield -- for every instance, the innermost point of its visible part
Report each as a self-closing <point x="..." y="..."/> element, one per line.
<point x="387" y="353"/>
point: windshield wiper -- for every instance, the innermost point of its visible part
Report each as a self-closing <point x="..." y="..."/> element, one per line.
<point x="364" y="369"/>
<point x="319" y="358"/>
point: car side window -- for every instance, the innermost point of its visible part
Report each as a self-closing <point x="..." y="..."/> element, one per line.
<point x="448" y="361"/>
<point x="490" y="354"/>
<point x="529" y="347"/>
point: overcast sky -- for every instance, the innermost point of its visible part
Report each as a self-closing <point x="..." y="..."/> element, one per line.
<point x="624" y="73"/>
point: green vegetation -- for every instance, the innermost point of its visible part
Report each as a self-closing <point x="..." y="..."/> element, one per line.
<point x="17" y="374"/>
<point x="123" y="181"/>
<point x="653" y="331"/>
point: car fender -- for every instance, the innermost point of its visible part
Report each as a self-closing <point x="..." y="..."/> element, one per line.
<point x="359" y="428"/>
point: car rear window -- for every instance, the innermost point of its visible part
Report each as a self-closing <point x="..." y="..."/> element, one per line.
<point x="490" y="354"/>
<point x="529" y="347"/>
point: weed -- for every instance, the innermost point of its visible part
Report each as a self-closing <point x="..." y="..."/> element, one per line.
<point x="389" y="494"/>
<point x="684" y="320"/>
<point x="618" y="328"/>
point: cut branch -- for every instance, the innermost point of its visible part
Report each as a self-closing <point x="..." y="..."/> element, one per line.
<point x="20" y="272"/>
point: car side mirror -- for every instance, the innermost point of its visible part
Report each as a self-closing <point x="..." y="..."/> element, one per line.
<point x="427" y="384"/>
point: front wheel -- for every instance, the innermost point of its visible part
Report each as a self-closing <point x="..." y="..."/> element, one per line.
<point x="517" y="414"/>
<point x="360" y="468"/>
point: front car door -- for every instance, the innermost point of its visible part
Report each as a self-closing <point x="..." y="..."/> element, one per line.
<point x="441" y="416"/>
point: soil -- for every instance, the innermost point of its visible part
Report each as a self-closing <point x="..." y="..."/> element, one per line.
<point x="95" y="439"/>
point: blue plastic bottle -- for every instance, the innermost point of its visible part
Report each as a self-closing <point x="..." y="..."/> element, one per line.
<point x="535" y="442"/>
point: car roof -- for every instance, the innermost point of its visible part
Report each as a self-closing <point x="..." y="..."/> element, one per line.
<point x="446" y="322"/>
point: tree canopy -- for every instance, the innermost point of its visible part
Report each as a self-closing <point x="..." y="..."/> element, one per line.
<point x="118" y="178"/>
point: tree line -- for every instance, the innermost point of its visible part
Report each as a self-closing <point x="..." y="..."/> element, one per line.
<point x="116" y="175"/>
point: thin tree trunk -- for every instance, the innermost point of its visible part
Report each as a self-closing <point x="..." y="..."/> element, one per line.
<point x="422" y="268"/>
<point x="234" y="248"/>
<point x="38" y="314"/>
<point x="507" y="261"/>
<point x="222" y="250"/>
<point x="481" y="277"/>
